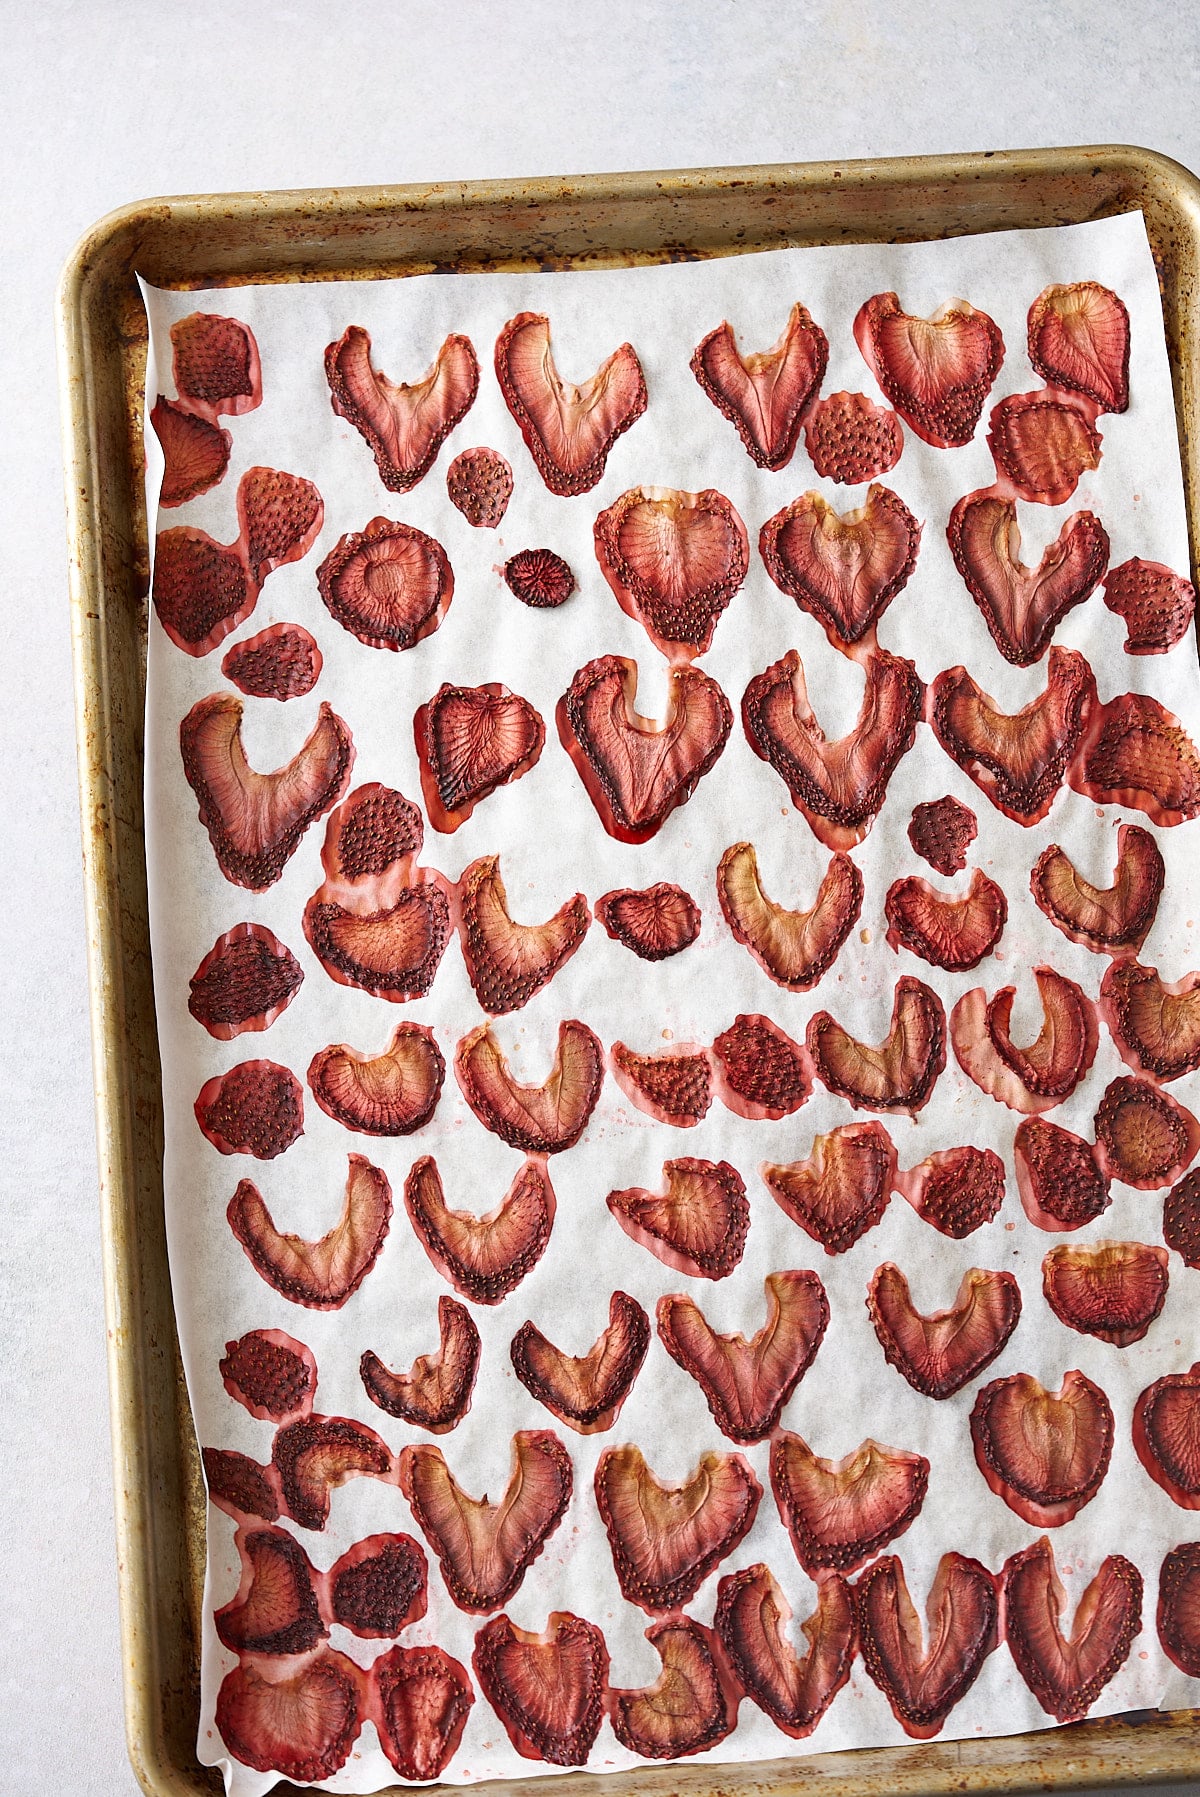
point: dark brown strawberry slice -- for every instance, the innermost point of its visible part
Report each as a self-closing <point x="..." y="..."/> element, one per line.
<point x="1136" y="753"/>
<point x="851" y="440"/>
<point x="1044" y="1452"/>
<point x="688" y="1707"/>
<point x="480" y="483"/>
<point x="766" y="394"/>
<point x="845" y="569"/>
<point x="924" y="1677"/>
<point x="674" y="561"/>
<point x="957" y="1190"/>
<point x="901" y="1072"/>
<point x="508" y="962"/>
<point x="697" y="1226"/>
<point x="1018" y="759"/>
<point x="839" y="1513"/>
<point x="842" y="1189"/>
<point x="1061" y="1184"/>
<point x="949" y="932"/>
<point x="202" y="589"/>
<point x="275" y="1610"/>
<point x="485" y="1549"/>
<point x="256" y="1108"/>
<point x="1040" y="1076"/>
<point x="747" y="1381"/>
<point x="216" y="365"/>
<point x="539" y="578"/>
<point x="301" y="1725"/>
<point x="1079" y="339"/>
<point x="484" y="1258"/>
<point x="1155" y="1023"/>
<point x="941" y="833"/>
<point x="761" y="1072"/>
<point x="317" y="1454"/>
<point x="378" y="1586"/>
<point x="255" y="821"/>
<point x="1179" y="1607"/>
<point x="1067" y="1675"/>
<point x="389" y="585"/>
<point x="1143" y="1136"/>
<point x="1108" y="919"/>
<point x="548" y="1689"/>
<point x="796" y="948"/>
<point x="436" y="1393"/>
<point x="941" y="1352"/>
<point x="1166" y="1434"/>
<point x="281" y="662"/>
<point x="195" y="452"/>
<point x="240" y="1486"/>
<point x="1022" y="607"/>
<point x="585" y="1391"/>
<point x="635" y="769"/>
<point x="839" y="786"/>
<point x="271" y="1373"/>
<point x="321" y="1274"/>
<point x="1156" y="603"/>
<point x="752" y="1624"/>
<point x="937" y="371"/>
<point x="424" y="1699"/>
<point x="665" y="1538"/>
<point x="542" y="1119"/>
<point x="281" y="517"/>
<point x="658" y="921"/>
<point x="1181" y="1218"/>
<point x="388" y="1094"/>
<point x="1113" y="1290"/>
<point x="674" y="1087"/>
<point x="247" y="979"/>
<point x="568" y="430"/>
<point x="1041" y="446"/>
<point x="402" y="425"/>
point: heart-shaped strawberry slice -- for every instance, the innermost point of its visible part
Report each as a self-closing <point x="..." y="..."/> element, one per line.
<point x="324" y="1273"/>
<point x="674" y="560"/>
<point x="1022" y="607"/>
<point x="949" y="932"/>
<point x="842" y="1189"/>
<point x="548" y="1689"/>
<point x="1067" y="1674"/>
<point x="839" y="1513"/>
<point x="698" y="1226"/>
<point x="688" y="1707"/>
<point x="1112" y="1290"/>
<point x="653" y="923"/>
<point x="1017" y="758"/>
<point x="302" y="1725"/>
<point x="1166" y="1434"/>
<point x="470" y="740"/>
<point x="1079" y="339"/>
<point x="765" y="395"/>
<point x="507" y="962"/>
<point x="795" y="947"/>
<point x="923" y="1681"/>
<point x="845" y="569"/>
<point x="752" y="1624"/>
<point x="666" y="1538"/>
<point x="940" y="1352"/>
<point x="936" y="371"/>
<point x="538" y="1119"/>
<point x="899" y="1073"/>
<point x="313" y="1457"/>
<point x="1105" y="918"/>
<point x="403" y="425"/>
<point x="1044" y="1452"/>
<point x="485" y="1257"/>
<point x="568" y="430"/>
<point x="1137" y="753"/>
<point x="1037" y="1077"/>
<point x="275" y="1610"/>
<point x="748" y="1380"/>
<point x="424" y="1700"/>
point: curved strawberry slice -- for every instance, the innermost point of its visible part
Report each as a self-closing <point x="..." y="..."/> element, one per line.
<point x="470" y="740"/>
<point x="957" y="1190"/>
<point x="436" y="1393"/>
<point x="479" y="484"/>
<point x="941" y="833"/>
<point x="275" y="1610"/>
<point x="195" y="452"/>
<point x="1060" y="1181"/>
<point x="1019" y="759"/>
<point x="568" y="430"/>
<point x="1143" y="1136"/>
<point x="936" y="371"/>
<point x="486" y="1257"/>
<point x="698" y="1226"/>
<point x="843" y="568"/>
<point x="761" y="1072"/>
<point x="752" y="1625"/>
<point x="901" y="1072"/>
<point x="585" y="1391"/>
<point x="940" y="1353"/>
<point x="541" y="1119"/>
<point x="796" y="948"/>
<point x="1045" y="1453"/>
<point x="658" y="921"/>
<point x="954" y="933"/>
<point x="508" y="962"/>
<point x="923" y="1679"/>
<point x="674" y="561"/>
<point x="216" y="365"/>
<point x="247" y="979"/>
<point x="1067" y="1676"/>
<point x="1079" y="339"/>
<point x="256" y="1108"/>
<point x="255" y="821"/>
<point x="539" y="578"/>
<point x="1022" y="607"/>
<point x="687" y="1708"/>
<point x="392" y="953"/>
<point x="636" y="770"/>
<point x="389" y="585"/>
<point x="388" y="1094"/>
<point x="1038" y="1077"/>
<point x="1155" y="1023"/>
<point x="485" y="1549"/>
<point x="839" y="1513"/>
<point x="1166" y="1434"/>
<point x="403" y="425"/>
<point x="240" y="1486"/>
<point x="839" y="786"/>
<point x="1113" y="1290"/>
<point x="1041" y="446"/>
<point x="1179" y="1607"/>
<point x="378" y="1586"/>
<point x="1108" y="919"/>
<point x="547" y="1689"/>
<point x="766" y="394"/>
<point x="321" y="1274"/>
<point x="317" y="1454"/>
<point x="1156" y="604"/>
<point x="674" y="1088"/>
<point x="851" y="440"/>
<point x="302" y="1725"/>
<point x="842" y="1189"/>
<point x="1136" y="753"/>
<point x="666" y="1539"/>
<point x="271" y="1373"/>
<point x="281" y="662"/>
<point x="424" y="1698"/>
<point x="747" y="1381"/>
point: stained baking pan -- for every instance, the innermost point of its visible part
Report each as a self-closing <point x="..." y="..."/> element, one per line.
<point x="364" y="233"/>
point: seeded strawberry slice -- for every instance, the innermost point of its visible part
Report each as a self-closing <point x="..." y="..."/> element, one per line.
<point x="839" y="1513"/>
<point x="275" y="1610"/>
<point x="507" y="962"/>
<point x="436" y="1393"/>
<point x="392" y="953"/>
<point x="403" y="425"/>
<point x="1041" y="446"/>
<point x="898" y="1074"/>
<point x="389" y="585"/>
<point x="1019" y="759"/>
<point x="281" y="662"/>
<point x="202" y="589"/>
<point x="1108" y="919"/>
<point x="369" y="839"/>
<point x="1156" y="604"/>
<point x="388" y="1094"/>
<point x="216" y="365"/>
<point x="940" y="1352"/>
<point x="1061" y="1182"/>
<point x="843" y="568"/>
<point x="543" y="1119"/>
<point x="301" y="1725"/>
<point x="1179" y="1607"/>
<point x="674" y="561"/>
<point x="1155" y="1023"/>
<point x="568" y="430"/>
<point x="941" y="833"/>
<point x="766" y="394"/>
<point x="1044" y="1452"/>
<point x="687" y="1708"/>
<point x="1181" y="1219"/>
<point x="674" y="1088"/>
<point x="752" y="1624"/>
<point x="470" y="740"/>
<point x="1137" y="753"/>
<point x="1166" y="1434"/>
<point x="1079" y="339"/>
<point x="316" y="1455"/>
<point x="923" y="1679"/>
<point x="240" y="1486"/>
<point x="378" y="1586"/>
<point x="1038" y="1077"/>
<point x="323" y="1274"/>
<point x="747" y="1381"/>
<point x="698" y="1226"/>
<point x="271" y="1373"/>
<point x="796" y="948"/>
<point x="659" y="921"/>
<point x="256" y="1108"/>
<point x="1067" y="1675"/>
<point x="195" y="452"/>
<point x="936" y="371"/>
<point x="585" y="1391"/>
<point x="957" y="1190"/>
<point x="1022" y="607"/>
<point x="843" y="1187"/>
<point x="424" y="1699"/>
<point x="761" y="1072"/>
<point x="479" y="483"/>
<point x="850" y="439"/>
<point x="1144" y="1137"/>
<point x="247" y="979"/>
<point x="548" y="1689"/>
<point x="949" y="932"/>
<point x="1112" y="1290"/>
<point x="667" y="1538"/>
<point x="539" y="578"/>
<point x="485" y="1257"/>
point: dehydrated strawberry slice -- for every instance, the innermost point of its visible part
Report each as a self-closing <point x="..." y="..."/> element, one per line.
<point x="1156" y="603"/>
<point x="766" y="394"/>
<point x="480" y="483"/>
<point x="796" y="948"/>
<point x="1022" y="607"/>
<point x="941" y="833"/>
<point x="1017" y="758"/>
<point x="371" y="834"/>
<point x="195" y="452"/>
<point x="1181" y="1219"/>
<point x="752" y="1624"/>
<point x="319" y="1453"/>
<point x="255" y="821"/>
<point x="470" y="740"/>
<point x="402" y="425"/>
<point x="436" y="1393"/>
<point x="666" y="1539"/>
<point x="485" y="1549"/>
<point x="636" y="770"/>
<point x="393" y="953"/>
<point x="247" y="979"/>
<point x="1041" y="446"/>
<point x="659" y="921"/>
<point x="841" y="785"/>
<point x="321" y="1274"/>
<point x="547" y="1689"/>
<point x="568" y="430"/>
<point x="697" y="1226"/>
<point x="1113" y="1290"/>
<point x="747" y="1381"/>
<point x="843" y="568"/>
<point x="762" y="1073"/>
<point x="674" y="1087"/>
<point x="271" y="1373"/>
<point x="901" y="1072"/>
<point x="388" y="1094"/>
<point x="941" y="1352"/>
<point x="542" y="1119"/>
<point x="539" y="578"/>
<point x="508" y="962"/>
<point x="484" y="1258"/>
<point x="239" y="1485"/>
<point x="936" y="371"/>
<point x="1166" y="1434"/>
<point x="1067" y="1676"/>
<point x="839" y="1513"/>
<point x="1061" y="1185"/>
<point x="423" y="1703"/>
<point x="1045" y="1453"/>
<point x="851" y="440"/>
<point x="302" y="1725"/>
<point x="1155" y="1023"/>
<point x="389" y="585"/>
<point x="1179" y="1607"/>
<point x="687" y="1708"/>
<point x="275" y="1610"/>
<point x="923" y="1679"/>
<point x="281" y="662"/>
<point x="378" y="1586"/>
<point x="202" y="589"/>
<point x="585" y="1391"/>
<point x="842" y="1189"/>
<point x="949" y="932"/>
<point x="674" y="561"/>
<point x="216" y="364"/>
<point x="1143" y="1136"/>
<point x="957" y="1190"/>
<point x="1105" y="918"/>
<point x="1137" y="753"/>
<point x="256" y="1108"/>
<point x="1079" y="339"/>
<point x="1029" y="1079"/>
<point x="281" y="517"/>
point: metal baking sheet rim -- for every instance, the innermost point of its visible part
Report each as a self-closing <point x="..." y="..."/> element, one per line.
<point x="324" y="234"/>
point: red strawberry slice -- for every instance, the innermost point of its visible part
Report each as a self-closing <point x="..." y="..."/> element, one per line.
<point x="403" y="425"/>
<point x="796" y="948"/>
<point x="842" y="1189"/>
<point x="216" y="365"/>
<point x="1166" y="1434"/>
<point x="378" y="1586"/>
<point x="548" y="1689"/>
<point x="271" y="1373"/>
<point x="479" y="483"/>
<point x="321" y="1275"/>
<point x="850" y="439"/>
<point x="1155" y="1023"/>
<point x="1079" y="339"/>
<point x="675" y="1087"/>
<point x="392" y="953"/>
<point x="568" y="430"/>
<point x="667" y="1538"/>
<point x="1022" y="607"/>
<point x="1112" y="1290"/>
<point x="1143" y="1136"/>
<point x="924" y="1679"/>
<point x="1108" y="919"/>
<point x="544" y="1119"/>
<point x="1181" y="1219"/>
<point x="698" y="1226"/>
<point x="389" y="585"/>
<point x="240" y="1486"/>
<point x="247" y="979"/>
<point x="275" y="1610"/>
<point x="1044" y="1452"/>
<point x="936" y="371"/>
<point x="761" y="1073"/>
<point x="1067" y="1675"/>
<point x="752" y="1623"/>
<point x="256" y="1108"/>
<point x="371" y="835"/>
<point x="435" y="1394"/>
<point x="1041" y="446"/>
<point x="897" y="1075"/>
<point x="195" y="452"/>
<point x="941" y="833"/>
<point x="314" y="1456"/>
<point x="484" y="1258"/>
<point x="949" y="932"/>
<point x="1156" y="604"/>
<point x="1018" y="758"/>
<point x="839" y="1513"/>
<point x="1061" y="1185"/>
<point x="766" y="394"/>
<point x="688" y="1708"/>
<point x="1137" y="753"/>
<point x="282" y="662"/>
<point x="508" y="962"/>
<point x="1179" y="1607"/>
<point x="299" y="1724"/>
<point x="202" y="589"/>
<point x="658" y="921"/>
<point x="1038" y="1077"/>
<point x="843" y="568"/>
<point x="940" y="1352"/>
<point x="424" y="1699"/>
<point x="539" y="578"/>
<point x="585" y="1391"/>
<point x="674" y="561"/>
<point x="388" y="1094"/>
<point x="748" y="1380"/>
<point x="957" y="1190"/>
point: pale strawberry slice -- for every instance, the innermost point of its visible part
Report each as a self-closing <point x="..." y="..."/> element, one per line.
<point x="761" y="1073"/>
<point x="470" y="740"/>
<point x="548" y="1689"/>
<point x="388" y="1094"/>
<point x="299" y="1724"/>
<point x="568" y="430"/>
<point x="1144" y="1137"/>
<point x="247" y="979"/>
<point x="484" y="1258"/>
<point x="1136" y="753"/>
<point x="542" y="1119"/>
<point x="256" y="1108"/>
<point x="842" y="1189"/>
<point x="271" y="1373"/>
<point x="1018" y="758"/>
<point x="796" y="948"/>
<point x="405" y="424"/>
<point x="851" y="440"/>
<point x="843" y="568"/>
<point x="479" y="483"/>
<point x="282" y="662"/>
<point x="216" y="365"/>
<point x="1038" y="1077"/>
<point x="1022" y="607"/>
<point x="940" y="1352"/>
<point x="378" y="1586"/>
<point x="316" y="1455"/>
<point x="1062" y="1186"/>
<point x="424" y="1699"/>
<point x="752" y="1623"/>
<point x="897" y="1075"/>
<point x="949" y="932"/>
<point x="1109" y="919"/>
<point x="941" y="832"/>
<point x="936" y="371"/>
<point x="658" y="921"/>
<point x="688" y="1708"/>
<point x="1041" y="446"/>
<point x="839" y="1513"/>
<point x="674" y="561"/>
<point x="1067" y="1674"/>
<point x="1179" y="1607"/>
<point x="674" y="1087"/>
<point x="1155" y="1023"/>
<point x="389" y="585"/>
<point x="923" y="1678"/>
<point x="275" y="1609"/>
<point x="1044" y="1452"/>
<point x="321" y="1275"/>
<point x="747" y="1381"/>
<point x="585" y="1391"/>
<point x="1166" y="1434"/>
<point x="1112" y="1290"/>
<point x="195" y="452"/>
<point x="667" y="1538"/>
<point x="1156" y="604"/>
<point x="698" y="1226"/>
<point x="957" y="1190"/>
<point x="766" y="394"/>
<point x="508" y="962"/>
<point x="435" y="1394"/>
<point x="1079" y="339"/>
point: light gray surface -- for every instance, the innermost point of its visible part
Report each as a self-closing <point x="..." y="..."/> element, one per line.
<point x="105" y="103"/>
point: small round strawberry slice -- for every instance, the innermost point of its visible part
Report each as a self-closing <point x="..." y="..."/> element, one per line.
<point x="1143" y="1136"/>
<point x="378" y="1586"/>
<point x="271" y="1373"/>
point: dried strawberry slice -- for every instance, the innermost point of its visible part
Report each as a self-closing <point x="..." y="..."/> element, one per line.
<point x="321" y="1274"/>
<point x="256" y="1108"/>
<point x="752" y="1624"/>
<point x="1045" y="1453"/>
<point x="658" y="921"/>
<point x="247" y="979"/>
<point x="548" y="1689"/>
<point x="1022" y="607"/>
<point x="202" y="589"/>
<point x="216" y="365"/>
<point x="1041" y="446"/>
<point x="936" y="371"/>
<point x="957" y="1190"/>
<point x="480" y="483"/>
<point x="436" y="1393"/>
<point x="372" y="833"/>
<point x="1017" y="758"/>
<point x="485" y="1549"/>
<point x="687" y="1708"/>
<point x="585" y="1391"/>
<point x="1143" y="1136"/>
<point x="271" y="1373"/>
<point x="762" y="1073"/>
<point x="1136" y="753"/>
<point x="239" y="1485"/>
<point x="402" y="425"/>
<point x="393" y="953"/>
<point x="388" y="1094"/>
<point x="941" y="833"/>
<point x="275" y="1610"/>
<point x="1067" y="1676"/>
<point x="839" y="1513"/>
<point x="843" y="568"/>
<point x="1178" y="1615"/>
<point x="796" y="948"/>
<point x="899" y="1074"/>
<point x="1112" y="1290"/>
<point x="636" y="770"/>
<point x="301" y="1725"/>
<point x="1040" y="1076"/>
<point x="1155" y="1023"/>
<point x="1061" y="1184"/>
<point x="1105" y="918"/>
<point x="675" y="1087"/>
<point x="379" y="1586"/>
<point x="539" y="578"/>
<point x="851" y="440"/>
<point x="949" y="932"/>
<point x="1156" y="603"/>
<point x="508" y="962"/>
<point x="389" y="585"/>
<point x="195" y="452"/>
<point x="281" y="662"/>
<point x="281" y="517"/>
<point x="424" y="1700"/>
<point x="674" y="561"/>
<point x="698" y="1226"/>
<point x="1181" y="1218"/>
<point x="941" y="1352"/>
<point x="841" y="785"/>
<point x="484" y="1258"/>
<point x="541" y="1119"/>
<point x="748" y="1380"/>
<point x="842" y="1189"/>
<point x="1079" y="339"/>
<point x="255" y="821"/>
<point x="766" y="394"/>
<point x="666" y="1539"/>
<point x="568" y="430"/>
<point x="470" y="740"/>
<point x="923" y="1679"/>
<point x="1166" y="1434"/>
<point x="316" y="1455"/>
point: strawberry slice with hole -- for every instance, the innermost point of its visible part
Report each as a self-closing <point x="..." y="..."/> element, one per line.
<point x="667" y="1538"/>
<point x="942" y="1351"/>
<point x="936" y="371"/>
<point x="471" y="740"/>
<point x="538" y="1119"/>
<point x="1109" y="919"/>
<point x="839" y="1513"/>
<point x="484" y="1258"/>
<point x="956" y="1190"/>
<point x="423" y="1700"/>
<point x="507" y="962"/>
<point x="1079" y="339"/>
<point x="247" y="979"/>
<point x="1061" y="1182"/>
<point x="1021" y="606"/>
<point x="569" y="430"/>
<point x="689" y="1707"/>
<point x="275" y="1609"/>
<point x="924" y="1676"/>
<point x="747" y="1381"/>
<point x="902" y="1070"/>
<point x="842" y="1189"/>
<point x="1019" y="759"/>
<point x="654" y="922"/>
<point x="315" y="1455"/>
<point x="1144" y="1137"/>
<point x="388" y="1094"/>
<point x="752" y="1624"/>
<point x="1136" y="753"/>
<point x="403" y="424"/>
<point x="435" y="1394"/>
<point x="954" y="933"/>
<point x="379" y="1586"/>
<point x="271" y="1373"/>
<point x="301" y="1724"/>
<point x="843" y="568"/>
<point x="698" y="1226"/>
<point x="766" y="394"/>
<point x="1044" y="1452"/>
<point x="1112" y="1290"/>
<point x="585" y="1391"/>
<point x="673" y="560"/>
<point x="1156" y="604"/>
<point x="390" y="585"/>
<point x="1042" y="1075"/>
<point x="1166" y="1434"/>
<point x="547" y="1688"/>
<point x="323" y="1274"/>
<point x="795" y="947"/>
<point x="1067" y="1673"/>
